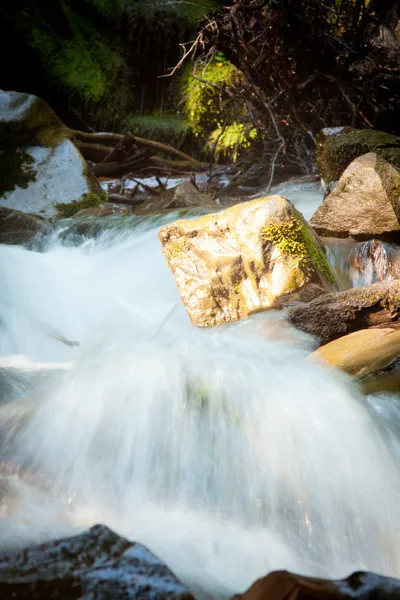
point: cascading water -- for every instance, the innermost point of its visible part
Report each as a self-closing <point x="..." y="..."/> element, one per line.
<point x="222" y="450"/>
<point x="356" y="264"/>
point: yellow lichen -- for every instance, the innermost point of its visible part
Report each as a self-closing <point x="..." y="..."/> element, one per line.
<point x="175" y="247"/>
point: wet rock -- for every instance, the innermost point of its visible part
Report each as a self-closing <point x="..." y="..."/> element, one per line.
<point x="386" y="381"/>
<point x="282" y="585"/>
<point x="243" y="259"/>
<point x="375" y="261"/>
<point x="20" y="228"/>
<point x="337" y="147"/>
<point x="304" y="294"/>
<point x="362" y="352"/>
<point x="184" y="195"/>
<point x="336" y="314"/>
<point x="96" y="565"/>
<point x="103" y="210"/>
<point x="365" y="203"/>
<point x="39" y="163"/>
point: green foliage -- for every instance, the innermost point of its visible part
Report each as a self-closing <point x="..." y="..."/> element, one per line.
<point x="212" y="115"/>
<point x="204" y="103"/>
<point x="84" y="64"/>
<point x="86" y="68"/>
<point x="231" y="139"/>
<point x="66" y="210"/>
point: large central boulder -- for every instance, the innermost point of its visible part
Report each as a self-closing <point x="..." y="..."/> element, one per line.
<point x="365" y="203"/>
<point x="244" y="259"/>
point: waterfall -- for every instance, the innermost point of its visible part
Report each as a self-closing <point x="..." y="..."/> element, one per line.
<point x="222" y="450"/>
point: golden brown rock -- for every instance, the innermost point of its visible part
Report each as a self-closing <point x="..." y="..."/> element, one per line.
<point x="242" y="260"/>
<point x="362" y="352"/>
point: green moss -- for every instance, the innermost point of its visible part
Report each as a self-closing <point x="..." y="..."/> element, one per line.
<point x="66" y="210"/>
<point x="293" y="239"/>
<point x="15" y="169"/>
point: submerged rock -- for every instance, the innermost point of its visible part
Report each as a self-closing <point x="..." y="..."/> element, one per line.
<point x="365" y="203"/>
<point x="336" y="314"/>
<point x="39" y="163"/>
<point x="362" y="352"/>
<point x="184" y="195"/>
<point x="243" y="259"/>
<point x="282" y="585"/>
<point x="337" y="148"/>
<point x="97" y="564"/>
<point x="17" y="227"/>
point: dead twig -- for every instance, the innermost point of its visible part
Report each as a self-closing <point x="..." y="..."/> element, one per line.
<point x="186" y="54"/>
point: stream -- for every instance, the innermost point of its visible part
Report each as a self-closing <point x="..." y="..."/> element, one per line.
<point x="221" y="450"/>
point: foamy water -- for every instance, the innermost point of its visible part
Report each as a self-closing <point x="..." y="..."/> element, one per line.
<point x="221" y="450"/>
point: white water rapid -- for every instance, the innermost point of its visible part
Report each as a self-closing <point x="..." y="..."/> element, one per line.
<point x="221" y="450"/>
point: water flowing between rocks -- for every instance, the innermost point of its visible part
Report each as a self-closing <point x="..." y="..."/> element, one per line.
<point x="221" y="450"/>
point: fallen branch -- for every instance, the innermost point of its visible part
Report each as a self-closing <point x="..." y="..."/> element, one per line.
<point x="93" y="152"/>
<point x="146" y="187"/>
<point x="183" y="165"/>
<point x="118" y="137"/>
<point x="119" y="168"/>
<point x="119" y="199"/>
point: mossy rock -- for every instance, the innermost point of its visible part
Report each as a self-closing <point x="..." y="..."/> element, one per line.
<point x="336" y="151"/>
